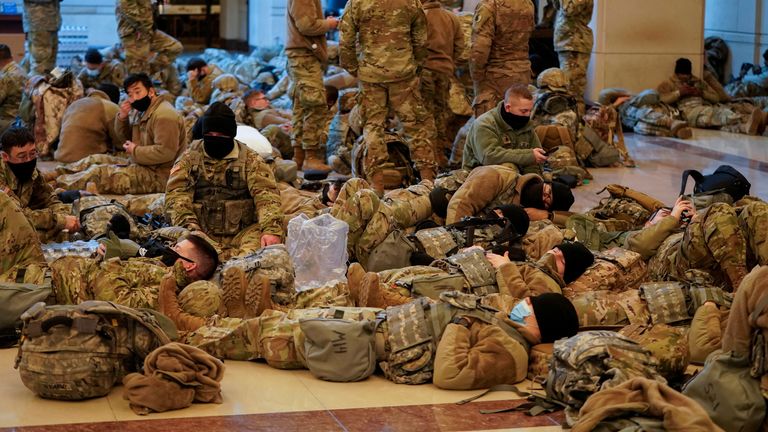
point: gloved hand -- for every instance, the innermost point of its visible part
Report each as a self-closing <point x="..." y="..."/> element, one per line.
<point x="116" y="247"/>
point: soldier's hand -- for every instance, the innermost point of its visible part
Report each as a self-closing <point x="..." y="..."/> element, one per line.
<point x="682" y="205"/>
<point x="497" y="260"/>
<point x="191" y="74"/>
<point x="269" y="240"/>
<point x="129" y="146"/>
<point x="539" y="155"/>
<point x="535" y="214"/>
<point x="72" y="224"/>
<point x="125" y="108"/>
<point x="333" y="22"/>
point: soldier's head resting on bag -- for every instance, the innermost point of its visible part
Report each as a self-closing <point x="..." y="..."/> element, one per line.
<point x="552" y="196"/>
<point x="545" y="318"/>
<point x="572" y="260"/>
<point x="196" y="255"/>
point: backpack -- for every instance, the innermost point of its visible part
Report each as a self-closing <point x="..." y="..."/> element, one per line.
<point x="95" y="212"/>
<point x="242" y="280"/>
<point x="592" y="361"/>
<point x="339" y="350"/>
<point x="15" y="298"/>
<point x="623" y="209"/>
<point x="80" y="352"/>
<point x="398" y="170"/>
<point x="392" y="253"/>
<point x="669" y="345"/>
<point x="615" y="270"/>
<point x="725" y="179"/>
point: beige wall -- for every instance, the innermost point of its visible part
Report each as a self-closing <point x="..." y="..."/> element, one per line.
<point x="638" y="41"/>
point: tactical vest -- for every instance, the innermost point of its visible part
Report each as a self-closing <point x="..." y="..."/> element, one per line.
<point x="222" y="200"/>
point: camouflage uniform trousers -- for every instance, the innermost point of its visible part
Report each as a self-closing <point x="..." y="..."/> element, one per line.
<point x="753" y="218"/>
<point x="713" y="243"/>
<point x="405" y="99"/>
<point x="490" y="90"/>
<point x="647" y="120"/>
<point x="703" y="115"/>
<point x="575" y="65"/>
<point x="43" y="47"/>
<point x="279" y="139"/>
<point x="435" y="90"/>
<point x="117" y="179"/>
<point x="310" y="110"/>
<point x="19" y="245"/>
<point x="150" y="52"/>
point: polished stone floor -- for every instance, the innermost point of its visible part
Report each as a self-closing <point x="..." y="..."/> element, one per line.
<point x="257" y="397"/>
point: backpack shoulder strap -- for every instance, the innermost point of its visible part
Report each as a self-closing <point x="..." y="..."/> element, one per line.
<point x="698" y="177"/>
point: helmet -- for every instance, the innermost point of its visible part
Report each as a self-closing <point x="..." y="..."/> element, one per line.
<point x="553" y="79"/>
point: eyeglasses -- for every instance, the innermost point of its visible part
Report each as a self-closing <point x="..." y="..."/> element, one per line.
<point x="24" y="156"/>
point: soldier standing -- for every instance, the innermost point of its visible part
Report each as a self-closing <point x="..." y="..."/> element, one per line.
<point x="445" y="43"/>
<point x="499" y="51"/>
<point x="573" y="43"/>
<point x="42" y="21"/>
<point x="147" y="49"/>
<point x="225" y="189"/>
<point x="307" y="53"/>
<point x="12" y="80"/>
<point x="383" y="44"/>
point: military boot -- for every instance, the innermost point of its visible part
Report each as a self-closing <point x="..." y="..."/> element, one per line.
<point x="355" y="275"/>
<point x="242" y="299"/>
<point x="168" y="305"/>
<point x="681" y="130"/>
<point x="298" y="156"/>
<point x="314" y="161"/>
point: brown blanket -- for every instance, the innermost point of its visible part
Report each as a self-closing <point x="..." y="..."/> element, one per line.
<point x="175" y="375"/>
<point x="645" y="398"/>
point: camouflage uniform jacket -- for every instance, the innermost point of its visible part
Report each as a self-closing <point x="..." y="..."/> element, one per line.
<point x="112" y="72"/>
<point x="179" y="198"/>
<point x="391" y="36"/>
<point x="307" y="28"/>
<point x="669" y="90"/>
<point x="484" y="188"/>
<point x="158" y="134"/>
<point x="42" y="16"/>
<point x="445" y="41"/>
<point x="134" y="16"/>
<point x="500" y="34"/>
<point x="12" y="80"/>
<point x="647" y="241"/>
<point x="36" y="198"/>
<point x="491" y="141"/>
<point x="572" y="32"/>
<point x="522" y="280"/>
<point x="200" y="90"/>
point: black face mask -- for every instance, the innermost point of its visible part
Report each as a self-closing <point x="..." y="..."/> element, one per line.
<point x="142" y="104"/>
<point x="218" y="146"/>
<point x="513" y="120"/>
<point x="23" y="171"/>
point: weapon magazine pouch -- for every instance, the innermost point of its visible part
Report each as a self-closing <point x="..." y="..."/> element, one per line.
<point x="477" y="271"/>
<point x="432" y="285"/>
<point x="436" y="242"/>
<point x="238" y="214"/>
<point x="666" y="301"/>
<point x="339" y="350"/>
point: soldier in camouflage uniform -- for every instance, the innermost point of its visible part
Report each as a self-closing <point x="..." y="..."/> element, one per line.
<point x="645" y="113"/>
<point x="753" y="217"/>
<point x="384" y="45"/>
<point x="343" y="132"/>
<point x="200" y="76"/>
<point x="307" y="53"/>
<point x="19" y="245"/>
<point x="97" y="71"/>
<point x="499" y="51"/>
<point x="147" y="49"/>
<point x="573" y="43"/>
<point x="225" y="189"/>
<point x="699" y="103"/>
<point x="42" y="21"/>
<point x="12" y="81"/>
<point x="445" y="43"/>
<point x="275" y="124"/>
<point x="154" y="136"/>
<point x="21" y="180"/>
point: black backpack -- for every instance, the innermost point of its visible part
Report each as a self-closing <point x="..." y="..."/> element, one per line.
<point x="725" y="179"/>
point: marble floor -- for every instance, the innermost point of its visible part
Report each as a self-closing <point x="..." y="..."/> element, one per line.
<point x="257" y="397"/>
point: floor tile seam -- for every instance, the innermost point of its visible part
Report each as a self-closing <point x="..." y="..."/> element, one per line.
<point x="707" y="152"/>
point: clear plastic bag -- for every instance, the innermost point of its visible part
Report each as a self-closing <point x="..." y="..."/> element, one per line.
<point x="318" y="248"/>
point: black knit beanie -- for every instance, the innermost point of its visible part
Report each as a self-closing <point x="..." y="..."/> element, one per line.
<point x="562" y="197"/>
<point x="517" y="216"/>
<point x="219" y="118"/>
<point x="556" y="316"/>
<point x="93" y="56"/>
<point x="577" y="260"/>
<point x="683" y="66"/>
<point x="438" y="199"/>
<point x="531" y="195"/>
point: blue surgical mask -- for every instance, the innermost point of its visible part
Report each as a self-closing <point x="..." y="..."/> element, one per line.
<point x="520" y="312"/>
<point x="92" y="72"/>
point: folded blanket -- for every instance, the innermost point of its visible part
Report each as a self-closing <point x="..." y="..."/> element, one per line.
<point x="175" y="375"/>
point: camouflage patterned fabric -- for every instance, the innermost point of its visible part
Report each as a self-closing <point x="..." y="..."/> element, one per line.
<point x="669" y="345"/>
<point x="147" y="49"/>
<point x="599" y="308"/>
<point x="648" y="119"/>
<point x="625" y="209"/>
<point x="477" y="270"/>
<point x="616" y="270"/>
<point x="573" y="42"/>
<point x="133" y="283"/>
<point x="201" y="298"/>
<point x="310" y="112"/>
<point x="95" y="212"/>
<point x="76" y="361"/>
<point x="539" y="360"/>
<point x="18" y="240"/>
<point x="41" y="22"/>
<point x="12" y="81"/>
<point x="595" y="360"/>
<point x="50" y="98"/>
<point x="437" y="242"/>
<point x="666" y="301"/>
<point x="111" y="72"/>
<point x="753" y="219"/>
